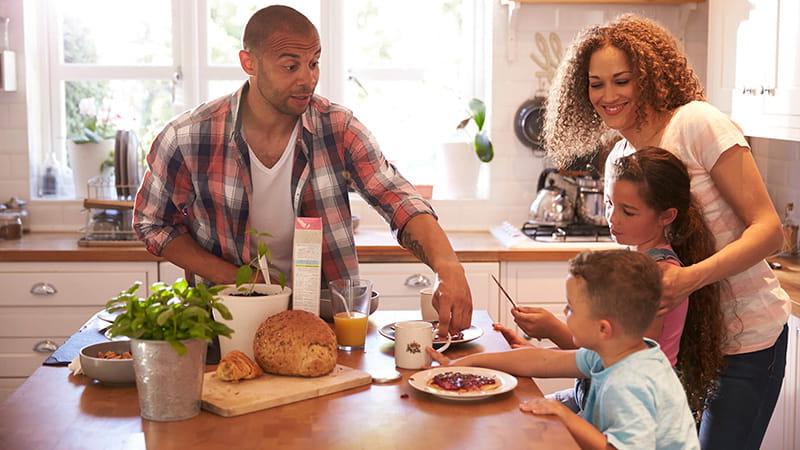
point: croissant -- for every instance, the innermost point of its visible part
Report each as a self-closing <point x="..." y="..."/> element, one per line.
<point x="236" y="366"/>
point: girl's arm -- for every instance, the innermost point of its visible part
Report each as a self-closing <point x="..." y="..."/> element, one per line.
<point x="736" y="176"/>
<point x="584" y="433"/>
<point x="521" y="362"/>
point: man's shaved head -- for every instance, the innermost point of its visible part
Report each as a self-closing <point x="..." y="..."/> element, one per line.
<point x="267" y="21"/>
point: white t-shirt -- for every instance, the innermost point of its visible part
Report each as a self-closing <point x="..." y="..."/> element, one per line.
<point x="755" y="307"/>
<point x="271" y="208"/>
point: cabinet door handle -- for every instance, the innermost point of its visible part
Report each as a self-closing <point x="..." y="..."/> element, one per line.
<point x="749" y="91"/>
<point x="46" y="346"/>
<point x="767" y="91"/>
<point x="418" y="280"/>
<point x="43" y="288"/>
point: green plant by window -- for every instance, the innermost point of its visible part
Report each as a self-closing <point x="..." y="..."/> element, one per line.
<point x="170" y="313"/>
<point x="247" y="274"/>
<point x="481" y="142"/>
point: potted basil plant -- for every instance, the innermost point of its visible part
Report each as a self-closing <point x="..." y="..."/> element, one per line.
<point x="251" y="302"/>
<point x="169" y="331"/>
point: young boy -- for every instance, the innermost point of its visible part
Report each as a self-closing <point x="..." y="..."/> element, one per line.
<point x="635" y="400"/>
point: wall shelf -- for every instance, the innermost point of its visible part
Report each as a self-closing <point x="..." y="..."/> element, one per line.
<point x="687" y="6"/>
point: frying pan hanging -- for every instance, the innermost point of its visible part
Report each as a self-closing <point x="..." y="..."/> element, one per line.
<point x="528" y="123"/>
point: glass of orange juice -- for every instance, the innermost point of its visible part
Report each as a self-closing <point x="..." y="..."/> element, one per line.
<point x="350" y="298"/>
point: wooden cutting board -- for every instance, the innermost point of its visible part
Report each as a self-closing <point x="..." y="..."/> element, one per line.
<point x="233" y="399"/>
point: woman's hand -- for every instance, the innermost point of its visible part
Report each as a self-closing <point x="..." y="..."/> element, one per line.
<point x="535" y="322"/>
<point x="677" y="283"/>
<point x="513" y="339"/>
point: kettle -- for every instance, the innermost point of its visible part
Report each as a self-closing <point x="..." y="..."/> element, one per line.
<point x="590" y="204"/>
<point x="552" y="205"/>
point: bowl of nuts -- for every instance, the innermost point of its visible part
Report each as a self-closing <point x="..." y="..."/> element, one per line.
<point x="108" y="362"/>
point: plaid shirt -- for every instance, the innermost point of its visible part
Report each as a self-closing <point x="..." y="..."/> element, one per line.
<point x="198" y="181"/>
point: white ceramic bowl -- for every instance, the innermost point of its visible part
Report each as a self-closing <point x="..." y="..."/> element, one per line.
<point x="109" y="371"/>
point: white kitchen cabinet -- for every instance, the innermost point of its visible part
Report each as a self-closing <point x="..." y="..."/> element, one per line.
<point x="399" y="284"/>
<point x="754" y="65"/>
<point x="44" y="303"/>
<point x="168" y="272"/>
<point x="539" y="284"/>
<point x="783" y="432"/>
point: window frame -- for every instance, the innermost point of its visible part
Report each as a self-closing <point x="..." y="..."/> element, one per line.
<point x="190" y="20"/>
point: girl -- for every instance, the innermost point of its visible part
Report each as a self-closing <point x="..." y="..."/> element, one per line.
<point x="630" y="76"/>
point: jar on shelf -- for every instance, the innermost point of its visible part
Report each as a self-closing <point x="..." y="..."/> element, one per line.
<point x="20" y="206"/>
<point x="10" y="225"/>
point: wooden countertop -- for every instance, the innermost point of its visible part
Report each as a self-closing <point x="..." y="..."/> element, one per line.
<point x="789" y="277"/>
<point x="54" y="409"/>
<point x="373" y="246"/>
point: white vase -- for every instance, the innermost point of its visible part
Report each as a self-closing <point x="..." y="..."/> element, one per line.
<point x="460" y="170"/>
<point x="85" y="161"/>
<point x="248" y="314"/>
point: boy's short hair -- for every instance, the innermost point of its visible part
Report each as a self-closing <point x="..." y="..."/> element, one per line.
<point x="622" y="285"/>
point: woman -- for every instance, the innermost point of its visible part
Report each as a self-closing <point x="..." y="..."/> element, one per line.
<point x="630" y="76"/>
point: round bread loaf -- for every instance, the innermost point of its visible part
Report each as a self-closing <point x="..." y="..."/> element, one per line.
<point x="295" y="343"/>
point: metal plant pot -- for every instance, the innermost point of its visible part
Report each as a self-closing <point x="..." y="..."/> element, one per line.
<point x="169" y="385"/>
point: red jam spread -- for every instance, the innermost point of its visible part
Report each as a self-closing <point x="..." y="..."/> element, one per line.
<point x="457" y="381"/>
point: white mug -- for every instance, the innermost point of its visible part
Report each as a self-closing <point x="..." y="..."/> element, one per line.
<point x="429" y="313"/>
<point x="411" y="338"/>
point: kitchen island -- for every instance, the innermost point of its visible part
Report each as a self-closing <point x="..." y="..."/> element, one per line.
<point x="54" y="410"/>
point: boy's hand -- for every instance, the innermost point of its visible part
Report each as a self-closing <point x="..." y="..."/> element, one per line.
<point x="543" y="406"/>
<point x="535" y="322"/>
<point x="513" y="339"/>
<point x="443" y="361"/>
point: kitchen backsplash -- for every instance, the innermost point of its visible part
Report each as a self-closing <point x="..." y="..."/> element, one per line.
<point x="514" y="169"/>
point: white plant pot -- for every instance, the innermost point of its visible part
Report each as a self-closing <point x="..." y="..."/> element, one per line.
<point x="85" y="161"/>
<point x="248" y="314"/>
<point x="460" y="170"/>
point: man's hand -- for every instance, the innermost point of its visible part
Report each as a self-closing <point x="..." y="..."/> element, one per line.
<point x="452" y="299"/>
<point x="677" y="283"/>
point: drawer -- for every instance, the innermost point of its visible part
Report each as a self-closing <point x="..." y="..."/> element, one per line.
<point x="537" y="282"/>
<point x="18" y="358"/>
<point x="32" y="322"/>
<point x="8" y="386"/>
<point x="68" y="284"/>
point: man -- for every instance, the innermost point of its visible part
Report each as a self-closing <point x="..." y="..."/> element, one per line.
<point x="273" y="151"/>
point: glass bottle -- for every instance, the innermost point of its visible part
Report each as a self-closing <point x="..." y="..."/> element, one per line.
<point x="789" y="232"/>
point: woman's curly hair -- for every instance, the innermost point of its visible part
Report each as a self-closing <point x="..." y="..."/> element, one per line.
<point x="664" y="80"/>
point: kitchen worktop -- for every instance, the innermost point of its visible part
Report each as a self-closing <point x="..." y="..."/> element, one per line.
<point x="373" y="246"/>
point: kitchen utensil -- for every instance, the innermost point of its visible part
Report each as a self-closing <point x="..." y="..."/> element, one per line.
<point x="8" y="61"/>
<point x="514" y="305"/>
<point x="132" y="154"/>
<point x="120" y="172"/>
<point x="590" y="204"/>
<point x="550" y="55"/>
<point x="412" y="338"/>
<point x="419" y="381"/>
<point x="528" y="122"/>
<point x="470" y="334"/>
<point x="552" y="205"/>
<point x="268" y="391"/>
<point x="108" y="371"/>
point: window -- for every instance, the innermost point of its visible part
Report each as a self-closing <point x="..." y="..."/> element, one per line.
<point x="145" y="61"/>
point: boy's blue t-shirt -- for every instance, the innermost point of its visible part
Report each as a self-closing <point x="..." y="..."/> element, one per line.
<point x="638" y="402"/>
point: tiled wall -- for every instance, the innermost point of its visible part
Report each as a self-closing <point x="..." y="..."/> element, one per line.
<point x="515" y="168"/>
<point x="779" y="164"/>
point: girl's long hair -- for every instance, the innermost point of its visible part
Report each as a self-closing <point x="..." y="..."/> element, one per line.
<point x="664" y="183"/>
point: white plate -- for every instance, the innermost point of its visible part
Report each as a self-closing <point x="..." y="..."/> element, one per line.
<point x="470" y="334"/>
<point x="420" y="380"/>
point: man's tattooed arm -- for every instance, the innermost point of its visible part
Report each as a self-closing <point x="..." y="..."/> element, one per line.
<point x="415" y="247"/>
